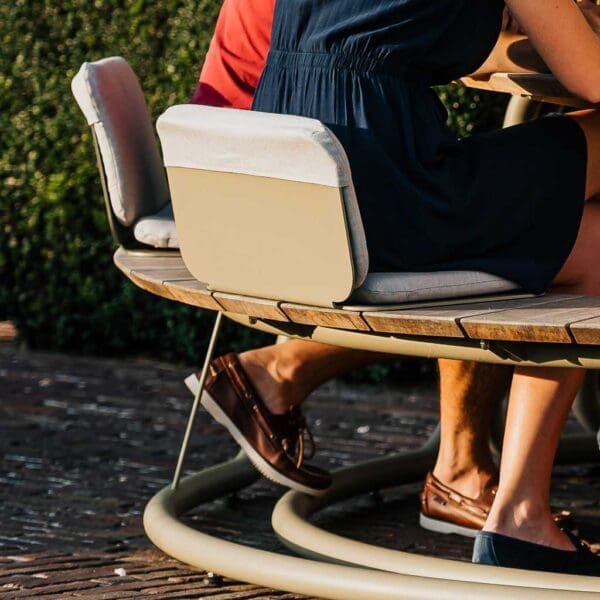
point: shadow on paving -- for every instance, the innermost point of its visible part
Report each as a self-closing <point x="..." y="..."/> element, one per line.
<point x="85" y="443"/>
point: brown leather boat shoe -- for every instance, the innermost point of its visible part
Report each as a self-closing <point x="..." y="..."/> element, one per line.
<point x="445" y="510"/>
<point x="274" y="443"/>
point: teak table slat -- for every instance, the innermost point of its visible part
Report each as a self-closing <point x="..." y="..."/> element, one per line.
<point x="245" y="305"/>
<point x="324" y="317"/>
<point x="540" y="86"/>
<point x="586" y="331"/>
<point x="193" y="292"/>
<point x="441" y="320"/>
<point x="549" y="322"/>
<point x="553" y="318"/>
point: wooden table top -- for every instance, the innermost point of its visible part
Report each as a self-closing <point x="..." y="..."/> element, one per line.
<point x="552" y="318"/>
<point x="539" y="86"/>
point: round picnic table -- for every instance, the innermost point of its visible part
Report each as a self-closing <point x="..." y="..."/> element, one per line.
<point x="549" y="330"/>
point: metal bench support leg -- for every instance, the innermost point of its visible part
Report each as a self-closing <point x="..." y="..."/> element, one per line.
<point x="188" y="431"/>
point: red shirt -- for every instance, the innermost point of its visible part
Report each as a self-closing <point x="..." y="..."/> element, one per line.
<point x="237" y="54"/>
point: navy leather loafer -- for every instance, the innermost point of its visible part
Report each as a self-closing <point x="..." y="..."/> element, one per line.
<point x="503" y="551"/>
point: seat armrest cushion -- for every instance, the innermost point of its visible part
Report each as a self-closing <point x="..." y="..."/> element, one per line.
<point x="273" y="146"/>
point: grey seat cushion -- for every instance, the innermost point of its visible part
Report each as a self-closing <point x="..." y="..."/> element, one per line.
<point x="399" y="288"/>
<point x="158" y="230"/>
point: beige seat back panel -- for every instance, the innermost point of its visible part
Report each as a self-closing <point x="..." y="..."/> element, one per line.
<point x="264" y="237"/>
<point x="267" y="145"/>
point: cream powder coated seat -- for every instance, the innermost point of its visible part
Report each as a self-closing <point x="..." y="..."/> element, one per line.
<point x="265" y="206"/>
<point x="229" y="171"/>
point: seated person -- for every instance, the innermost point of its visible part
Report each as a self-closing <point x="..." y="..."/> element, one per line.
<point x="281" y="376"/>
<point x="520" y="203"/>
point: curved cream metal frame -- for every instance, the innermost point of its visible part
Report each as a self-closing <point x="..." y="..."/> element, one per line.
<point x="381" y="575"/>
<point x="290" y="522"/>
<point x="361" y="570"/>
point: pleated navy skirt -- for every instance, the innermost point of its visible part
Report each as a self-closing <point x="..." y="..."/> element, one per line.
<point x="508" y="202"/>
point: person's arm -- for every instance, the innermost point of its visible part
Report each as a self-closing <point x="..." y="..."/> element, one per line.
<point x="566" y="42"/>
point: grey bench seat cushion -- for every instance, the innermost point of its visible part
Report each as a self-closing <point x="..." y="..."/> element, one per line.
<point x="158" y="230"/>
<point x="399" y="288"/>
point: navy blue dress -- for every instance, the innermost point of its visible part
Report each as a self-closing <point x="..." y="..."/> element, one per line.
<point x="508" y="203"/>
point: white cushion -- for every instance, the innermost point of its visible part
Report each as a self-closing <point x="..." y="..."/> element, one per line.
<point x="112" y="101"/>
<point x="264" y="145"/>
<point x="399" y="288"/>
<point x="158" y="230"/>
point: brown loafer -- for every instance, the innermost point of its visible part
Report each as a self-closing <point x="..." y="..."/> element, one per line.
<point x="445" y="510"/>
<point x="274" y="443"/>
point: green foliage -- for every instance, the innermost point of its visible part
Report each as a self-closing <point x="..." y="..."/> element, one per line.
<point x="472" y="111"/>
<point x="57" y="279"/>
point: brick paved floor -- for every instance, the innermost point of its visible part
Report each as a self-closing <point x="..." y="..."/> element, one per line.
<point x="85" y="442"/>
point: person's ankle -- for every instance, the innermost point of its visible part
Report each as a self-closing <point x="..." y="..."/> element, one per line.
<point x="526" y="520"/>
<point x="469" y="481"/>
<point x="275" y="380"/>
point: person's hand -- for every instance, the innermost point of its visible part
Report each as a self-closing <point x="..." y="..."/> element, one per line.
<point x="591" y="12"/>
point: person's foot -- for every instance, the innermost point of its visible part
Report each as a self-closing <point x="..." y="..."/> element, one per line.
<point x="273" y="442"/>
<point x="495" y="549"/>
<point x="446" y="510"/>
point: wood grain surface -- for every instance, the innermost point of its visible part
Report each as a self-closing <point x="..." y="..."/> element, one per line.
<point x="324" y="317"/>
<point x="540" y="86"/>
<point x="552" y="318"/>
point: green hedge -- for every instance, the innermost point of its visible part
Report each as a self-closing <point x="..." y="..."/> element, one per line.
<point x="57" y="280"/>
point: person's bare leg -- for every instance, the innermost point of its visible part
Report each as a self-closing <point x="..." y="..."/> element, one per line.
<point x="541" y="397"/>
<point x="539" y="405"/>
<point x="285" y="374"/>
<point x="589" y="121"/>
<point x="469" y="393"/>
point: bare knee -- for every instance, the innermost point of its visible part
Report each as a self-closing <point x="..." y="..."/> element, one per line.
<point x="589" y="121"/>
<point x="581" y="272"/>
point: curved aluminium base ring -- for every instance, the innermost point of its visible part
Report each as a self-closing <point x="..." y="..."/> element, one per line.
<point x="587" y="403"/>
<point x="323" y="579"/>
<point x="291" y="525"/>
